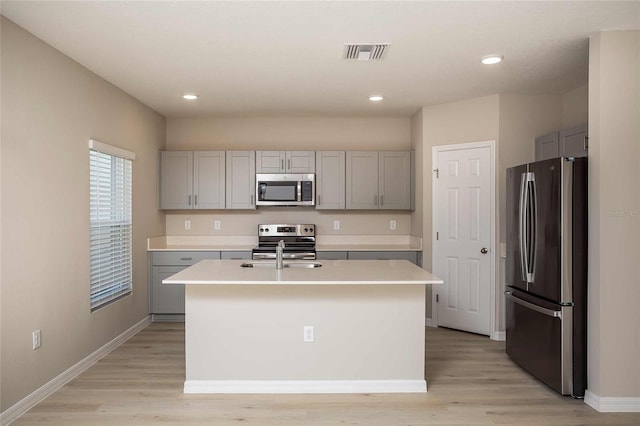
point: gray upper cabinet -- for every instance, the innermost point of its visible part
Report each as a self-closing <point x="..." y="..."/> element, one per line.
<point x="362" y="180"/>
<point x="395" y="182"/>
<point x="241" y="182"/>
<point x="330" y="180"/>
<point x="208" y="180"/>
<point x="285" y="161"/>
<point x="379" y="180"/>
<point x="191" y="180"/>
<point x="571" y="142"/>
<point x="176" y="179"/>
<point x="547" y="146"/>
<point x="574" y="142"/>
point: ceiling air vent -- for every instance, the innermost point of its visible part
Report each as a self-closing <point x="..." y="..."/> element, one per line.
<point x="365" y="52"/>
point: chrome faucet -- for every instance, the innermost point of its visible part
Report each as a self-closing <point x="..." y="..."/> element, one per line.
<point x="280" y="255"/>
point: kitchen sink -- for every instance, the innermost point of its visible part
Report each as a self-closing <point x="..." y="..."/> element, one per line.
<point x="286" y="265"/>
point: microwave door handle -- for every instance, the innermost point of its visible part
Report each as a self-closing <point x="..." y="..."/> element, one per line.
<point x="299" y="190"/>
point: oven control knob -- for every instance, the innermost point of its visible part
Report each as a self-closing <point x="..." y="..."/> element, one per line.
<point x="306" y="229"/>
<point x="266" y="229"/>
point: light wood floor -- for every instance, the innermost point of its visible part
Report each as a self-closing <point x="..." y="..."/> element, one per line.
<point x="470" y="380"/>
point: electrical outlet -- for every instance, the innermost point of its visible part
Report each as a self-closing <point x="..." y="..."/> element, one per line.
<point x="336" y="225"/>
<point x="308" y="333"/>
<point x="36" y="339"/>
<point x="392" y="224"/>
<point x="217" y="224"/>
<point x="187" y="224"/>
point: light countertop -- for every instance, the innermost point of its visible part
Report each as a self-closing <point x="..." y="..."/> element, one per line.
<point x="332" y="272"/>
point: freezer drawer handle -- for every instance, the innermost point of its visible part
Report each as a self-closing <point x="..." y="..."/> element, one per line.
<point x="545" y="311"/>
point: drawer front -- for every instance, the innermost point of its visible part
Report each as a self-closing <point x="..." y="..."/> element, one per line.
<point x="331" y="255"/>
<point x="411" y="256"/>
<point x="235" y="255"/>
<point x="182" y="258"/>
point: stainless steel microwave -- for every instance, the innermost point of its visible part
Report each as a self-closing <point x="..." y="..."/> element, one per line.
<point x="285" y="189"/>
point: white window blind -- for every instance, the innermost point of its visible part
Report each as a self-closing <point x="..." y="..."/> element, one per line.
<point x="110" y="221"/>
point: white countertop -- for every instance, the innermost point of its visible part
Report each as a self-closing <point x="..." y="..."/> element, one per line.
<point x="332" y="272"/>
<point x="324" y="243"/>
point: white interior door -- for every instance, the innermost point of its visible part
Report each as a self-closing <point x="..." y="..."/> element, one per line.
<point x="463" y="231"/>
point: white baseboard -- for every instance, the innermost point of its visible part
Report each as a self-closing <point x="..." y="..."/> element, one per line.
<point x="28" y="402"/>
<point x="305" y="386"/>
<point x="606" y="404"/>
<point x="429" y="322"/>
<point x="499" y="336"/>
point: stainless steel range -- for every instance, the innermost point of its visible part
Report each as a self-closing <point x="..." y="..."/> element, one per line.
<point x="299" y="241"/>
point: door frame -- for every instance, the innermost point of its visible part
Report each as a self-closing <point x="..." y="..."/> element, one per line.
<point x="435" y="150"/>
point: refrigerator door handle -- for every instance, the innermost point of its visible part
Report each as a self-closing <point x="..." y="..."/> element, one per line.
<point x="523" y="226"/>
<point x="540" y="309"/>
<point x="533" y="220"/>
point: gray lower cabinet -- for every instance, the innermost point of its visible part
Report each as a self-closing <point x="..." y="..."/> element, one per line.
<point x="331" y="255"/>
<point x="411" y="256"/>
<point x="235" y="255"/>
<point x="166" y="302"/>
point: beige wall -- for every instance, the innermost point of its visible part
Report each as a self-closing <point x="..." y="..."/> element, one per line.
<point x="575" y="107"/>
<point x="614" y="214"/>
<point x="288" y="133"/>
<point x="471" y="120"/>
<point x="51" y="106"/>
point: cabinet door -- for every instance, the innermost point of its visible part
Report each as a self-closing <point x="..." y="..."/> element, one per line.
<point x="547" y="147"/>
<point x="166" y="298"/>
<point x="270" y="161"/>
<point x="208" y="179"/>
<point x="574" y="142"/>
<point x="176" y="179"/>
<point x="241" y="179"/>
<point x="362" y="180"/>
<point x="330" y="180"/>
<point x="300" y="162"/>
<point x="394" y="183"/>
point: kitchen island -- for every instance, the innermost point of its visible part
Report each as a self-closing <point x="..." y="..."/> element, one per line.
<point x="346" y="326"/>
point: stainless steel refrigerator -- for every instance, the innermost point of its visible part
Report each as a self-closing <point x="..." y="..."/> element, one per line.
<point x="546" y="271"/>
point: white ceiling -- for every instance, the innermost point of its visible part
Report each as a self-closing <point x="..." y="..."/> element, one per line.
<point x="263" y="58"/>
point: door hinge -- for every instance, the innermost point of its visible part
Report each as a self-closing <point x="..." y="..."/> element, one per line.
<point x="437" y="298"/>
<point x="437" y="173"/>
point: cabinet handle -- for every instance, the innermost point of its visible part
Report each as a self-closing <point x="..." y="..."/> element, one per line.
<point x="185" y="258"/>
<point x="189" y="202"/>
<point x="318" y="200"/>
<point x="381" y="200"/>
<point x="288" y="164"/>
<point x="195" y="197"/>
<point x="251" y="198"/>
<point x="281" y="164"/>
<point x="375" y="200"/>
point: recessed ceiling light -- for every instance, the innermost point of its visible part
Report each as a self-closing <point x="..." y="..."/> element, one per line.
<point x="375" y="98"/>
<point x="190" y="96"/>
<point x="492" y="59"/>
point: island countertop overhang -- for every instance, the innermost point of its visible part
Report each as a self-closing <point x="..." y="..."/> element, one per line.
<point x="332" y="272"/>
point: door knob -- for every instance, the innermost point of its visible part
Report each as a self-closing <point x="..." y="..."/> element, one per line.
<point x="484" y="250"/>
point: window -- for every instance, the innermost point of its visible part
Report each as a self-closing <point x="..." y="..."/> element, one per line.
<point x="110" y="232"/>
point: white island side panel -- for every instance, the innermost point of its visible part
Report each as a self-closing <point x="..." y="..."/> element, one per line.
<point x="250" y="338"/>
